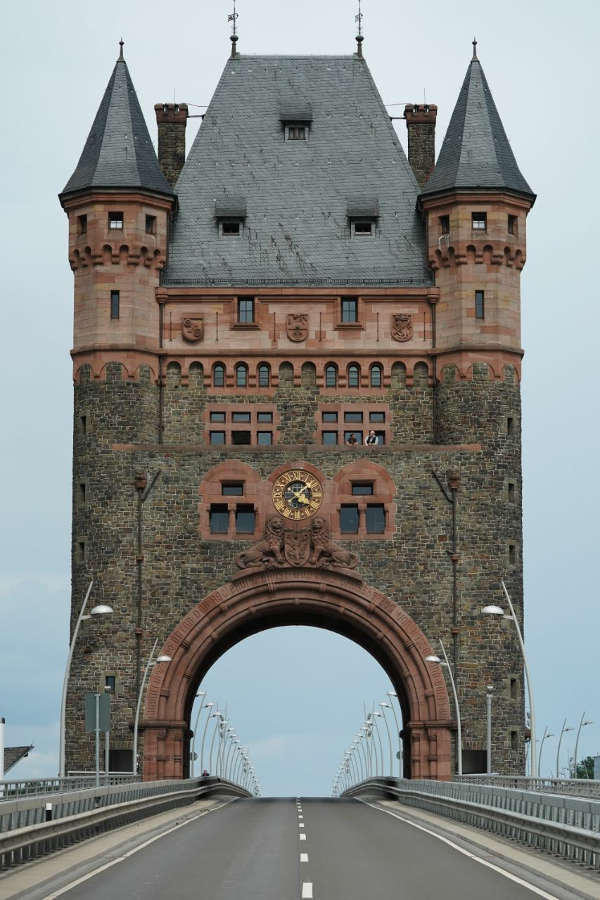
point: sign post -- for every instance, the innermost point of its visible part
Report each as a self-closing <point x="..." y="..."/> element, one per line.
<point x="97" y="719"/>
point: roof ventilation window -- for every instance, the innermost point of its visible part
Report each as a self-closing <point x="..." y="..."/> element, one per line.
<point x="230" y="214"/>
<point x="296" y="119"/>
<point x="363" y="214"/>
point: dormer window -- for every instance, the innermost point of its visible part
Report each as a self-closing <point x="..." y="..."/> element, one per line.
<point x="296" y="119"/>
<point x="230" y="213"/>
<point x="363" y="214"/>
<point x="444" y="225"/>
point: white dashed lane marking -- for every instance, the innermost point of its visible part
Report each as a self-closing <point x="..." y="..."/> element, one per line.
<point x="304" y="857"/>
<point x="307" y="890"/>
<point x="302" y="837"/>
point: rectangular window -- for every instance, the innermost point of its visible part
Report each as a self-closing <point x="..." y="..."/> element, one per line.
<point x="115" y="221"/>
<point x="364" y="228"/>
<point x="375" y="518"/>
<point x="82" y="493"/>
<point x="82" y="224"/>
<point x="353" y="417"/>
<point x="240" y="437"/>
<point x="376" y="417"/>
<point x="83" y="424"/>
<point x="115" y="303"/>
<point x="349" y="309"/>
<point x="513" y="224"/>
<point x="510" y="425"/>
<point x="217" y="417"/>
<point x="362" y="488"/>
<point x="245" y="519"/>
<point x="219" y="519"/>
<point x="232" y="488"/>
<point x="264" y="438"/>
<point x="511" y="491"/>
<point x="110" y="683"/>
<point x="296" y="132"/>
<point x="329" y="417"/>
<point x="240" y="417"/>
<point x="81" y="551"/>
<point x="479" y="304"/>
<point x="353" y="437"/>
<point x="514" y="689"/>
<point x="264" y="417"/>
<point x="444" y="225"/>
<point x="380" y="435"/>
<point x="231" y="229"/>
<point x="329" y="438"/>
<point x="246" y="309"/>
<point x="349" y="519"/>
<point x="512" y="553"/>
<point x="479" y="221"/>
<point x="150" y="224"/>
<point x="514" y="740"/>
<point x="217" y="438"/>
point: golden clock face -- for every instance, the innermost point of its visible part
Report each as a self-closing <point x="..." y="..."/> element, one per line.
<point x="297" y="494"/>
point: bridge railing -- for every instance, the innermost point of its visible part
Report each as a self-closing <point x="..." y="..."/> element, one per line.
<point x="565" y="826"/>
<point x="31" y="826"/>
<point x="23" y="787"/>
<point x="577" y="787"/>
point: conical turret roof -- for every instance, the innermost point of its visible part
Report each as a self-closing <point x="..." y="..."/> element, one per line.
<point x="476" y="153"/>
<point x="118" y="152"/>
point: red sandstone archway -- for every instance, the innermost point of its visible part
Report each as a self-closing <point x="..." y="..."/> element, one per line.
<point x="323" y="598"/>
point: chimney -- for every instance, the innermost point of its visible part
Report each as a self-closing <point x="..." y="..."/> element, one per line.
<point x="420" y="121"/>
<point x="171" y="119"/>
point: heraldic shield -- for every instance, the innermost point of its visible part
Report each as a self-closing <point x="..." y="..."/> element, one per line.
<point x="192" y="330"/>
<point x="297" y="326"/>
<point x="296" y="546"/>
<point x="402" y="327"/>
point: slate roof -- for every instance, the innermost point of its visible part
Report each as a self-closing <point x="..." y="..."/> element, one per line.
<point x="12" y="755"/>
<point x="297" y="193"/>
<point x="476" y="152"/>
<point x="118" y="152"/>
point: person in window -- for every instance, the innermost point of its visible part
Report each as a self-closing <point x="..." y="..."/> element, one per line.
<point x="352" y="440"/>
<point x="371" y="439"/>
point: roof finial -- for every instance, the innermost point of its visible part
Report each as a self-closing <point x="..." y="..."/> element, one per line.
<point x="233" y="17"/>
<point x="474" y="48"/>
<point x="121" y="42"/>
<point x="359" y="37"/>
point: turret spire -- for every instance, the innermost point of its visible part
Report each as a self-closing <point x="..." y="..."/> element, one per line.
<point x="233" y="17"/>
<point x="358" y="18"/>
<point x="476" y="152"/>
<point x="121" y="43"/>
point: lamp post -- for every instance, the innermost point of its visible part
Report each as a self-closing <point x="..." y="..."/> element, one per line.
<point x="488" y="703"/>
<point x="498" y="611"/>
<point x="193" y="747"/>
<point x="151" y="662"/>
<point x="545" y="735"/>
<point x="218" y="725"/>
<point x="582" y="724"/>
<point x="374" y="716"/>
<point x="101" y="609"/>
<point x="563" y="730"/>
<point x="444" y="662"/>
<point x="385" y="706"/>
<point x="391" y="695"/>
<point x="209" y="717"/>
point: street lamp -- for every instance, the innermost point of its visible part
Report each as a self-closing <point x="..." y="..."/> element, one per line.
<point x="385" y="706"/>
<point x="488" y="702"/>
<point x="151" y="662"/>
<point x="210" y="715"/>
<point x="193" y="747"/>
<point x="563" y="730"/>
<point x="444" y="662"/>
<point x="582" y="724"/>
<point x="498" y="611"/>
<point x="100" y="610"/>
<point x="546" y="734"/>
<point x="392" y="694"/>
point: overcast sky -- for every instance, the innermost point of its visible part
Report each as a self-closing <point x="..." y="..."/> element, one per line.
<point x="302" y="702"/>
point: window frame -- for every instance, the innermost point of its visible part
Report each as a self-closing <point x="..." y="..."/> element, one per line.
<point x="216" y="509"/>
<point x="241" y="367"/>
<point x="353" y="372"/>
<point x="262" y="369"/>
<point x="236" y="226"/>
<point x="479" y="217"/>
<point x="115" y="304"/>
<point x="220" y="367"/>
<point x="480" y="305"/>
<point x="114" y="217"/>
<point x="244" y="304"/>
<point x="351" y="303"/>
<point x="331" y="368"/>
<point x="150" y="226"/>
<point x="376" y="367"/>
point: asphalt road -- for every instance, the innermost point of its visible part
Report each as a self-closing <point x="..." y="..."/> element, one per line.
<point x="288" y="849"/>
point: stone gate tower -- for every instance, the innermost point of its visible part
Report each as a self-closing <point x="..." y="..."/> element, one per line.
<point x="245" y="318"/>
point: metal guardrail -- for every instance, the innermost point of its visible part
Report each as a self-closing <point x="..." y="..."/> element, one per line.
<point x="26" y="832"/>
<point x="577" y="787"/>
<point x="24" y="787"/>
<point x="564" y="826"/>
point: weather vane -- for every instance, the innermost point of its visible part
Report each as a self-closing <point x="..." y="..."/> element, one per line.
<point x="232" y="17"/>
<point x="359" y="37"/>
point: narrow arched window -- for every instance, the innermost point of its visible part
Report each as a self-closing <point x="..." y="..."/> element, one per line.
<point x="241" y="375"/>
<point x="353" y="376"/>
<point x="218" y="375"/>
<point x="330" y="375"/>
<point x="376" y="374"/>
<point x="264" y="375"/>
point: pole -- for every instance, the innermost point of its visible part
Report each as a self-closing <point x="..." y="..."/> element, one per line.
<point x="380" y="743"/>
<point x="212" y="743"/>
<point x="534" y="773"/>
<point x="459" y="767"/>
<point x="106" y="754"/>
<point x="210" y="715"/>
<point x="97" y="740"/>
<point x="391" y="696"/>
<point x="562" y="731"/>
<point x="2" y="728"/>
<point x="387" y="728"/>
<point x="63" y="702"/>
<point x="134" y="768"/>
<point x="488" y="700"/>
<point x="193" y="747"/>
<point x="581" y="724"/>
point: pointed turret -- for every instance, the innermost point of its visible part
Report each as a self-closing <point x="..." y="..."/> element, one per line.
<point x="476" y="152"/>
<point x="118" y="152"/>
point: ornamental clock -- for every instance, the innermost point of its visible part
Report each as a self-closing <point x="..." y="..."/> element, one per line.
<point x="297" y="494"/>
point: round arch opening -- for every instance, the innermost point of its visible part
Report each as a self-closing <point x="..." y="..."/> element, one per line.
<point x="325" y="599"/>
